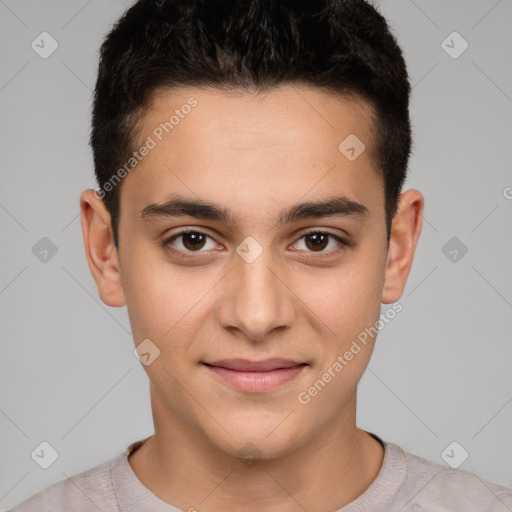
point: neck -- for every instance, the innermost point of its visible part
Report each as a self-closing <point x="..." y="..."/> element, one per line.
<point x="327" y="472"/>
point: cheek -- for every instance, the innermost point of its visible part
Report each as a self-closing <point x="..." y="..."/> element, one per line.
<point x="162" y="299"/>
<point x="154" y="308"/>
<point x="346" y="300"/>
<point x="150" y="301"/>
<point x="351" y="310"/>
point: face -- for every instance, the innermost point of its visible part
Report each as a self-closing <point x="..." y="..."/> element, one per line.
<point x="253" y="301"/>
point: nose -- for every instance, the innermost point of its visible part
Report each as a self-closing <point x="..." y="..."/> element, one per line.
<point x="256" y="300"/>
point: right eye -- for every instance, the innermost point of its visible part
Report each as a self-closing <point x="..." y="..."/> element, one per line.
<point x="189" y="241"/>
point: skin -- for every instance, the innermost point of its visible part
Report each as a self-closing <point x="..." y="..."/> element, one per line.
<point x="256" y="155"/>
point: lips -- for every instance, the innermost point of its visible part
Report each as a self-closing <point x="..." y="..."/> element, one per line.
<point x="256" y="376"/>
<point x="244" y="365"/>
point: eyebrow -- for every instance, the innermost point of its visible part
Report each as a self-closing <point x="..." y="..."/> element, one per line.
<point x="178" y="206"/>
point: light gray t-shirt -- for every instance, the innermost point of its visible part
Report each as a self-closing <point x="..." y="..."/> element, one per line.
<point x="405" y="483"/>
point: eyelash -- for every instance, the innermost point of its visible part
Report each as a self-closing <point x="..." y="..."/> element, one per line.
<point x="167" y="242"/>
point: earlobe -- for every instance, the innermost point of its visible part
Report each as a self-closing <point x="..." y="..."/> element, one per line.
<point x="405" y="232"/>
<point x="100" y="250"/>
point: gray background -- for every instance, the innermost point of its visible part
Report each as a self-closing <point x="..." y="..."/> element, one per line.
<point x="440" y="371"/>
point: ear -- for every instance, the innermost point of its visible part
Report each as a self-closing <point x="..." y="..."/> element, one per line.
<point x="100" y="250"/>
<point x="405" y="231"/>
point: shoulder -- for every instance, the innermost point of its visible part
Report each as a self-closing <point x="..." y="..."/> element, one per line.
<point x="90" y="490"/>
<point x="432" y="486"/>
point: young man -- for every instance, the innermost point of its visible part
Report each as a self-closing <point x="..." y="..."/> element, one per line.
<point x="250" y="158"/>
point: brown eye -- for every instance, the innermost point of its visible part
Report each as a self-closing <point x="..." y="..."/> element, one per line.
<point x="193" y="241"/>
<point x="317" y="241"/>
<point x="189" y="241"/>
<point x="322" y="242"/>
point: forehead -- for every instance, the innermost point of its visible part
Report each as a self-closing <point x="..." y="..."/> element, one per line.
<point x="254" y="150"/>
<point x="282" y="116"/>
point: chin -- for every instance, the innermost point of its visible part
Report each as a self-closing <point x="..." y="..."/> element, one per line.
<point x="259" y="440"/>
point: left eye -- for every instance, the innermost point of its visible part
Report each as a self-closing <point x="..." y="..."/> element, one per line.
<point x="318" y="241"/>
<point x="194" y="241"/>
